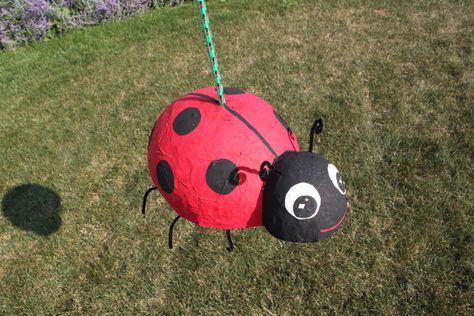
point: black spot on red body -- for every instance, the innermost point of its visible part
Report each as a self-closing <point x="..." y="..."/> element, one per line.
<point x="186" y="121"/>
<point x="232" y="90"/>
<point x="165" y="176"/>
<point x="222" y="176"/>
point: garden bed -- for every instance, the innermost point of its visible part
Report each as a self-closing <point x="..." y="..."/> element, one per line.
<point x="23" y="21"/>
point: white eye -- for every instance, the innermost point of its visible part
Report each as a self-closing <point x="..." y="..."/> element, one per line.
<point x="302" y="201"/>
<point x="336" y="179"/>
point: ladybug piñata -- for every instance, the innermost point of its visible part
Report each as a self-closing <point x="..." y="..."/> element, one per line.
<point x="212" y="165"/>
<point x="236" y="164"/>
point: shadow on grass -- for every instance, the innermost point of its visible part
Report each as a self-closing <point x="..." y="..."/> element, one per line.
<point x="33" y="207"/>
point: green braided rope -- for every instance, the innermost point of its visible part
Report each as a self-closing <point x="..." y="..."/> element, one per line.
<point x="206" y="27"/>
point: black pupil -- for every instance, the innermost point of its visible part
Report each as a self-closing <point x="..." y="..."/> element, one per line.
<point x="340" y="183"/>
<point x="304" y="206"/>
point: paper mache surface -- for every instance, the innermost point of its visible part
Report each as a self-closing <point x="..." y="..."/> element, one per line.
<point x="198" y="147"/>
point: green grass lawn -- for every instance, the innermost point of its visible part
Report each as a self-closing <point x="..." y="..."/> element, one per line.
<point x="394" y="81"/>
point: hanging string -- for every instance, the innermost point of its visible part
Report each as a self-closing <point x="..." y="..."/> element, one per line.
<point x="211" y="50"/>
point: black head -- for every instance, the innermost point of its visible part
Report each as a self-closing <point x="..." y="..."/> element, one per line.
<point x="304" y="197"/>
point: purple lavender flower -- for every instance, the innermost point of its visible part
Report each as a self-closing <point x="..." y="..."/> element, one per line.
<point x="35" y="18"/>
<point x="107" y="9"/>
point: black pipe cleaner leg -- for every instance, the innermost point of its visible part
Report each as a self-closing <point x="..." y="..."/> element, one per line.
<point x="230" y="244"/>
<point x="170" y="233"/>
<point x="145" y="197"/>
<point x="317" y="128"/>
